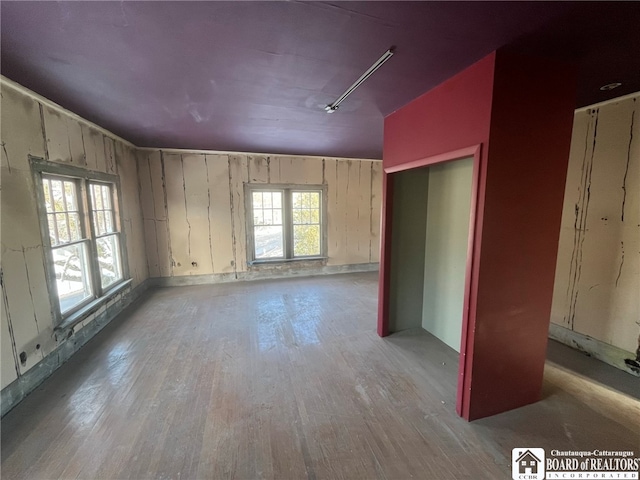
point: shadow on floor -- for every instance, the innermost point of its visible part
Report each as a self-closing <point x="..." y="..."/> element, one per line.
<point x="593" y="369"/>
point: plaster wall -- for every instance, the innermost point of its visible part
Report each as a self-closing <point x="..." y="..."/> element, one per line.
<point x="596" y="296"/>
<point x="195" y="215"/>
<point x="32" y="125"/>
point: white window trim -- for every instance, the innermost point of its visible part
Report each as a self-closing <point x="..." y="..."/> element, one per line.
<point x="83" y="178"/>
<point x="286" y="220"/>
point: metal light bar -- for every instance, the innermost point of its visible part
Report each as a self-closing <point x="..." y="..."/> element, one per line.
<point x="332" y="107"/>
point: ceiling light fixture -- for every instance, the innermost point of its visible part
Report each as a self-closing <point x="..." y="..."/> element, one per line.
<point x="332" y="107"/>
<point x="610" y="86"/>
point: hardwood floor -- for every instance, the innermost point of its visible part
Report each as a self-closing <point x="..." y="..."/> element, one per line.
<point x="284" y="379"/>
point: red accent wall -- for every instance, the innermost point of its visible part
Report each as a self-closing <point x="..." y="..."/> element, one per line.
<point x="454" y="115"/>
<point x="521" y="111"/>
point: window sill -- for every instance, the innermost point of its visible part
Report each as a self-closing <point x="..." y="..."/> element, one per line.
<point x="76" y="317"/>
<point x="276" y="261"/>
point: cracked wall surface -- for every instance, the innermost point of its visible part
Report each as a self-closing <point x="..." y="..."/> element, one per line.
<point x="597" y="285"/>
<point x="195" y="216"/>
<point x="35" y="127"/>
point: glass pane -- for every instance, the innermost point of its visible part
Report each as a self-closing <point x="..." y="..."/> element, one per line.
<point x="70" y="196"/>
<point x="109" y="260"/>
<point x="257" y="199"/>
<point x="298" y="216"/>
<point x="108" y="218"/>
<point x="96" y="197"/>
<point x="277" y="217"/>
<point x="314" y="199"/>
<point x="99" y="223"/>
<point x="61" y="223"/>
<point x="47" y="195"/>
<point x="258" y="218"/>
<point x="315" y="216"/>
<point x="106" y="197"/>
<point x="74" y="227"/>
<point x="277" y="200"/>
<point x="296" y="199"/>
<point x="306" y="240"/>
<point x="51" y="220"/>
<point x="268" y="242"/>
<point x="268" y="217"/>
<point x="56" y="190"/>
<point x="266" y="200"/>
<point x="72" y="275"/>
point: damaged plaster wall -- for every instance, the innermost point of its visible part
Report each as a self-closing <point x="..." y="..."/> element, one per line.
<point x="596" y="302"/>
<point x="194" y="207"/>
<point x="34" y="126"/>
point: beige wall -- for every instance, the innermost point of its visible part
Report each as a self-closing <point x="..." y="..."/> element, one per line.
<point x="597" y="286"/>
<point x="194" y="212"/>
<point x="34" y="126"/>
<point x="446" y="244"/>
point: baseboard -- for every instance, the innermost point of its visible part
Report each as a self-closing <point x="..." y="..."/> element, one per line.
<point x="16" y="391"/>
<point x="604" y="352"/>
<point x="262" y="274"/>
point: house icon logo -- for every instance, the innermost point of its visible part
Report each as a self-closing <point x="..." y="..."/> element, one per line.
<point x="527" y="463"/>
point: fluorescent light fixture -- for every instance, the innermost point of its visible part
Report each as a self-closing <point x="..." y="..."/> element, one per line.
<point x="332" y="107"/>
<point x="610" y="86"/>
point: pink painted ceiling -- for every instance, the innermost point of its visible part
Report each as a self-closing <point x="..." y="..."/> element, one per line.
<point x="255" y="76"/>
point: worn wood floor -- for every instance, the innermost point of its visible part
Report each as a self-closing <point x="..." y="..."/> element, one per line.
<point x="287" y="380"/>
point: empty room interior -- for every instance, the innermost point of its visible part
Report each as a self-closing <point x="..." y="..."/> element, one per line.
<point x="323" y="240"/>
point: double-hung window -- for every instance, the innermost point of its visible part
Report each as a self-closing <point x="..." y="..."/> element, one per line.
<point x="81" y="235"/>
<point x="285" y="222"/>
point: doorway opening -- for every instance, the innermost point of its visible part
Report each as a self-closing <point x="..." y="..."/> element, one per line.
<point x="427" y="280"/>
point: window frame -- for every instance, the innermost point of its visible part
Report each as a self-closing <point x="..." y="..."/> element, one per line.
<point x="287" y="221"/>
<point x="82" y="178"/>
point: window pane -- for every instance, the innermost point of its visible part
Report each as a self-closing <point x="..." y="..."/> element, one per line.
<point x="61" y="223"/>
<point x="96" y="197"/>
<point x="70" y="196"/>
<point x="297" y="216"/>
<point x="106" y="197"/>
<point x="268" y="217"/>
<point x="277" y="200"/>
<point x="257" y="199"/>
<point x="47" y="195"/>
<point x="109" y="260"/>
<point x="266" y="200"/>
<point x="99" y="222"/>
<point x="51" y="220"/>
<point x="72" y="275"/>
<point x="58" y="200"/>
<point x="268" y="242"/>
<point x="306" y="240"/>
<point x="296" y="200"/>
<point x="74" y="227"/>
<point x="108" y="218"/>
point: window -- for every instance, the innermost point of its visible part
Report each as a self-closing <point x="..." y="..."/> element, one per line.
<point x="69" y="242"/>
<point x="107" y="240"/>
<point x="81" y="226"/>
<point x="285" y="223"/>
